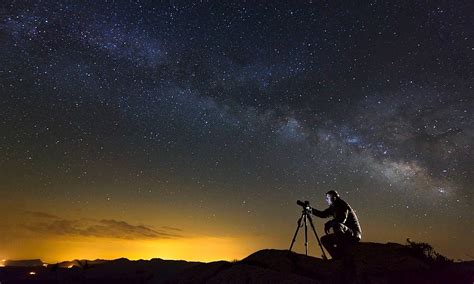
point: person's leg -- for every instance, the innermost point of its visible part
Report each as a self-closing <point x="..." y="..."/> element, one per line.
<point x="343" y="239"/>
<point x="326" y="241"/>
<point x="330" y="244"/>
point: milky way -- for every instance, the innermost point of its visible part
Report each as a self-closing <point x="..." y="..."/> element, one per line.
<point x="227" y="113"/>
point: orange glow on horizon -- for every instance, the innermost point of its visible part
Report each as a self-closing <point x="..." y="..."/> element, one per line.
<point x="202" y="249"/>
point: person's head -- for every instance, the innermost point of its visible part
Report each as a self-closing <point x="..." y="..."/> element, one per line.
<point x="331" y="196"/>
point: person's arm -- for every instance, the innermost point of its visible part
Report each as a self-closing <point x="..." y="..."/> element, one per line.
<point x="322" y="214"/>
<point x="340" y="214"/>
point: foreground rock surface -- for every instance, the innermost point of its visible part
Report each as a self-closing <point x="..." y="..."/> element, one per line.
<point x="367" y="263"/>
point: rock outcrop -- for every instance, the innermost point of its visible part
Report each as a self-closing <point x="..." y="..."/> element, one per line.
<point x="365" y="263"/>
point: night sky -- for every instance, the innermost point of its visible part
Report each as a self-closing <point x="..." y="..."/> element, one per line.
<point x="188" y="130"/>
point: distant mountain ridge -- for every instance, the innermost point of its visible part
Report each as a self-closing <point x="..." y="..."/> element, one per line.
<point x="23" y="262"/>
<point x="116" y="271"/>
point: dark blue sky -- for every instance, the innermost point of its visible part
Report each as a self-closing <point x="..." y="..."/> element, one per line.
<point x="229" y="112"/>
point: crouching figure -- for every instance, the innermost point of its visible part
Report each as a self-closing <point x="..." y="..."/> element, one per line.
<point x="343" y="231"/>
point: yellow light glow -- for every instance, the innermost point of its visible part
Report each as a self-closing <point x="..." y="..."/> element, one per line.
<point x="32" y="273"/>
<point x="200" y="248"/>
<point x="70" y="266"/>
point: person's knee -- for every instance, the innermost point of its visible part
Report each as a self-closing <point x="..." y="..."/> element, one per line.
<point x="338" y="228"/>
<point x="325" y="239"/>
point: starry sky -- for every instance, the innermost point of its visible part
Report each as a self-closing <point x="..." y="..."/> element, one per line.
<point x="188" y="130"/>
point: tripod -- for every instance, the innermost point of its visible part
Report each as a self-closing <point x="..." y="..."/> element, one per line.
<point x="306" y="216"/>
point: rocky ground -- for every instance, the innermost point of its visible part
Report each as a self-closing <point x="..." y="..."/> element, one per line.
<point x="368" y="263"/>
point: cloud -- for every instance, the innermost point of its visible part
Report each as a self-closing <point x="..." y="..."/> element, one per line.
<point x="106" y="228"/>
<point x="41" y="214"/>
<point x="171" y="228"/>
<point x="123" y="230"/>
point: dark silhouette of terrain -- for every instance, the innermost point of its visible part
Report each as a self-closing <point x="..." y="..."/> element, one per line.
<point x="366" y="263"/>
<point x="117" y="271"/>
<point x="24" y="262"/>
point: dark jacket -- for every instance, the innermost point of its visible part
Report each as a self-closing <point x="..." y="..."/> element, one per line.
<point x="341" y="213"/>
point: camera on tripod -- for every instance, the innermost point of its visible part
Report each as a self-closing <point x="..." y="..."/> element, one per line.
<point x="306" y="207"/>
<point x="306" y="216"/>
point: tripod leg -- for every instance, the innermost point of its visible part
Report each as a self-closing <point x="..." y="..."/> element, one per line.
<point x="317" y="238"/>
<point x="305" y="234"/>
<point x="296" y="233"/>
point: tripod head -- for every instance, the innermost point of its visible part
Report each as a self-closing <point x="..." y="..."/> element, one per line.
<point x="306" y="207"/>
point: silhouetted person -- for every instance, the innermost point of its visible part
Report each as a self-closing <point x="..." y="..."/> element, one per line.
<point x="345" y="226"/>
